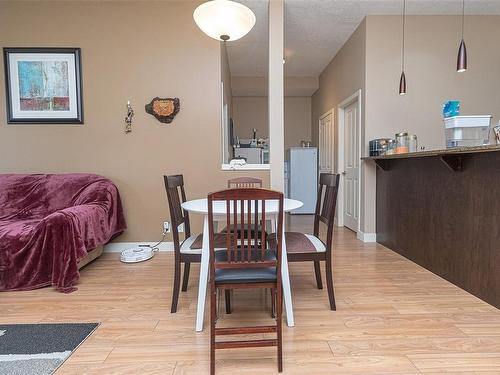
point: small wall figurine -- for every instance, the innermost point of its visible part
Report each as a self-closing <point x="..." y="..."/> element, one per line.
<point x="128" y="119"/>
<point x="164" y="109"/>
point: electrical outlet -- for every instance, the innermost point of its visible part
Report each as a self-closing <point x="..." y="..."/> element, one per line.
<point x="166" y="227"/>
<point x="181" y="228"/>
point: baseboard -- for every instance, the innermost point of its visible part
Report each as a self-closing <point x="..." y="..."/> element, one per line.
<point x="367" y="237"/>
<point x="118" y="247"/>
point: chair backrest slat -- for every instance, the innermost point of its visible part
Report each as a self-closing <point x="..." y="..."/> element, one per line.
<point x="176" y="195"/>
<point x="325" y="204"/>
<point x="244" y="182"/>
<point x="249" y="229"/>
<point x="263" y="232"/>
<point x="229" y="239"/>
<point x="241" y="205"/>
<point x="256" y="223"/>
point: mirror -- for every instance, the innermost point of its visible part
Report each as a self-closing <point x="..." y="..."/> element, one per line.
<point x="244" y="86"/>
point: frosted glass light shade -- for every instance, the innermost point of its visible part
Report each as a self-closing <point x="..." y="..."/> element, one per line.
<point x="224" y="19"/>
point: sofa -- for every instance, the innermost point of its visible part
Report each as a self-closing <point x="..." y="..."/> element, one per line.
<point x="53" y="224"/>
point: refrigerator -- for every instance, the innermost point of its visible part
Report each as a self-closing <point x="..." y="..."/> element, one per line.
<point x="303" y="177"/>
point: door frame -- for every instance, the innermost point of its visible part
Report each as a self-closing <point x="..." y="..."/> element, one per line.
<point x="332" y="112"/>
<point x="340" y="156"/>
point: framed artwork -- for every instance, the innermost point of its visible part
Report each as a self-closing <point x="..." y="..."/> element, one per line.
<point x="43" y="85"/>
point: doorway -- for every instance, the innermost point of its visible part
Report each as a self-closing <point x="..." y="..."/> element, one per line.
<point x="349" y="154"/>
<point x="326" y="143"/>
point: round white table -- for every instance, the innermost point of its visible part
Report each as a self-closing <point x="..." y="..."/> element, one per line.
<point x="200" y="206"/>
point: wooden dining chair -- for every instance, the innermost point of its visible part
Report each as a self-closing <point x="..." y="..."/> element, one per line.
<point x="183" y="253"/>
<point x="241" y="182"/>
<point x="189" y="250"/>
<point x="245" y="264"/>
<point x="302" y="247"/>
<point x="244" y="182"/>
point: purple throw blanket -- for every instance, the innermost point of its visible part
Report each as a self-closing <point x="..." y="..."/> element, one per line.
<point x="48" y="223"/>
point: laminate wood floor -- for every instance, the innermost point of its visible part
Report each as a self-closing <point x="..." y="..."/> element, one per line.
<point x="393" y="317"/>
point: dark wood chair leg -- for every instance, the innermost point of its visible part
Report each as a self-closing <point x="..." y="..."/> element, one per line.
<point x="317" y="270"/>
<point x="177" y="282"/>
<point x="227" y="295"/>
<point x="329" y="283"/>
<point x="185" y="279"/>
<point x="273" y="303"/>
<point x="213" y="318"/>
<point x="279" y="309"/>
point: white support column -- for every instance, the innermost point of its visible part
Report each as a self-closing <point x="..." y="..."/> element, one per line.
<point x="276" y="95"/>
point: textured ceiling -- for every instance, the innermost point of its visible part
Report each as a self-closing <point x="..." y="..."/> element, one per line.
<point x="316" y="29"/>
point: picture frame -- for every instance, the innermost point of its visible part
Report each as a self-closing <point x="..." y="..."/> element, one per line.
<point x="43" y="85"/>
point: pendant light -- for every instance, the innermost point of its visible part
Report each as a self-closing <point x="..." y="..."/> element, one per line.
<point x="462" y="50"/>
<point x="402" y="79"/>
<point x="224" y="19"/>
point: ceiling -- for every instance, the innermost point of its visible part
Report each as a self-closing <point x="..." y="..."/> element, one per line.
<point x="315" y="30"/>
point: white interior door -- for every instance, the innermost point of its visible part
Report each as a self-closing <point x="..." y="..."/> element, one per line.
<point x="326" y="143"/>
<point x="351" y="166"/>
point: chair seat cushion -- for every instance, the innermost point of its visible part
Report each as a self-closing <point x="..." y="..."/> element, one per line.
<point x="196" y="243"/>
<point x="298" y="243"/>
<point x="245" y="275"/>
<point x="186" y="246"/>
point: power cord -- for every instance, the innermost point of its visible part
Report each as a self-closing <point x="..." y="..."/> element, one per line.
<point x="155" y="248"/>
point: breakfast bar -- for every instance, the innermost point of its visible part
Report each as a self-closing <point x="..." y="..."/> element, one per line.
<point x="441" y="209"/>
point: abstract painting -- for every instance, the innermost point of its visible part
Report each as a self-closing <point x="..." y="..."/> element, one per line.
<point x="44" y="85"/>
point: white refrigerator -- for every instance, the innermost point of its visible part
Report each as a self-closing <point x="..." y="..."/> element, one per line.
<point x="303" y="177"/>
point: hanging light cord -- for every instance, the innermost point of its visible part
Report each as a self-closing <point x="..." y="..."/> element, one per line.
<point x="463" y="17"/>
<point x="403" y="44"/>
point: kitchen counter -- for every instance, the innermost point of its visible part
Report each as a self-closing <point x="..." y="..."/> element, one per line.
<point x="446" y="151"/>
<point x="441" y="209"/>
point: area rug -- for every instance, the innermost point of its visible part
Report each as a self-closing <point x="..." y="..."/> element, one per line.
<point x="39" y="349"/>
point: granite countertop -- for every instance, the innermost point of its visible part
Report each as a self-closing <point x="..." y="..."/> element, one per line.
<point x="446" y="151"/>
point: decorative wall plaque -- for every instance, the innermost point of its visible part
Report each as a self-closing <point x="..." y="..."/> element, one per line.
<point x="164" y="109"/>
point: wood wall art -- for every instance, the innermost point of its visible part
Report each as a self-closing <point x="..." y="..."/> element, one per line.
<point x="164" y="109"/>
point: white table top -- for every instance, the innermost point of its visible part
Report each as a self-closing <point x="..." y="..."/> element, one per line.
<point x="200" y="206"/>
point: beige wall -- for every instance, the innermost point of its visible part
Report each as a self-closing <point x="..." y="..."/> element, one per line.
<point x="226" y="78"/>
<point x="431" y="53"/>
<point x="342" y="77"/>
<point x="258" y="86"/>
<point x="252" y="112"/>
<point x="371" y="60"/>
<point x="130" y="50"/>
<point x="228" y="101"/>
<point x="276" y="94"/>
<point x="297" y="120"/>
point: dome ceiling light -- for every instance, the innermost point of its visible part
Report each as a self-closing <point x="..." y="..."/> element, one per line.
<point x="224" y="19"/>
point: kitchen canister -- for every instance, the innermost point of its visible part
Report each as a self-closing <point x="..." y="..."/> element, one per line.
<point x="391" y="147"/>
<point x="402" y="143"/>
<point x="412" y="143"/>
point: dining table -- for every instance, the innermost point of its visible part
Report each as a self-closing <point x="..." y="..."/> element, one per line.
<point x="200" y="206"/>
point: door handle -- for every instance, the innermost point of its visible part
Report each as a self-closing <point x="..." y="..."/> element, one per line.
<point x="344" y="173"/>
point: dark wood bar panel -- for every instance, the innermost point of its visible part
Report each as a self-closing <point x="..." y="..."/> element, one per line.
<point x="442" y="211"/>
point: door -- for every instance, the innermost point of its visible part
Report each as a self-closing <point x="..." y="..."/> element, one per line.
<point x="351" y="166"/>
<point x="326" y="143"/>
